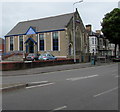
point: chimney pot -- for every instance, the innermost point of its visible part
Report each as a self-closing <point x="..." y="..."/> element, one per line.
<point x="89" y="27"/>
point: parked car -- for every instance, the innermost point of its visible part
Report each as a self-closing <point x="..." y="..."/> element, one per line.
<point x="32" y="57"/>
<point x="47" y="56"/>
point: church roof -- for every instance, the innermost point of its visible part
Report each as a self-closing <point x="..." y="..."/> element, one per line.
<point x="42" y="25"/>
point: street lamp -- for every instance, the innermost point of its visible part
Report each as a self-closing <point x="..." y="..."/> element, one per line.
<point x="77" y="2"/>
<point x="74" y="30"/>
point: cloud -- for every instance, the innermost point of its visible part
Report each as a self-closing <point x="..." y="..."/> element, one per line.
<point x="14" y="12"/>
<point x="0" y="19"/>
<point x="20" y="11"/>
<point x="58" y="1"/>
<point x="93" y="12"/>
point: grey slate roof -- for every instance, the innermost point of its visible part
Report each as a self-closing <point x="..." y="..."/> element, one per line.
<point x="91" y="33"/>
<point x="45" y="24"/>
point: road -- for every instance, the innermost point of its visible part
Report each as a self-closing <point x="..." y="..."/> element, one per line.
<point x="92" y="88"/>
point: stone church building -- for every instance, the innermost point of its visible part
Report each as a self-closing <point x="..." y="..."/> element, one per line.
<point x="51" y="34"/>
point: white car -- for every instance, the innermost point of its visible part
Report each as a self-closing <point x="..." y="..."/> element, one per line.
<point x="47" y="56"/>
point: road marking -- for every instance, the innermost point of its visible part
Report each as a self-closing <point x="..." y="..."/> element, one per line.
<point x="79" y="78"/>
<point x="59" y="108"/>
<point x="38" y="82"/>
<point x="59" y="71"/>
<point x="39" y="85"/>
<point x="108" y="91"/>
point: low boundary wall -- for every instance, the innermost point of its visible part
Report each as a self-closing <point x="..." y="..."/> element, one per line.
<point x="5" y="66"/>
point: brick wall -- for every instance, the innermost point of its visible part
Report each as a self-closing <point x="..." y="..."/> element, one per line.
<point x="1" y="45"/>
<point x="4" y="66"/>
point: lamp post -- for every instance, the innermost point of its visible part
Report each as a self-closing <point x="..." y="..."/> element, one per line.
<point x="74" y="43"/>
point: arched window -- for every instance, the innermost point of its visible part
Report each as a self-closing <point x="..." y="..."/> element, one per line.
<point x="11" y="43"/>
<point x="41" y="38"/>
<point x="55" y="41"/>
<point x="21" y="43"/>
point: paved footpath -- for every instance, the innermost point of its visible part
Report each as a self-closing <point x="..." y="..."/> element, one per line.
<point x="45" y="69"/>
<point x="41" y="70"/>
<point x="49" y="69"/>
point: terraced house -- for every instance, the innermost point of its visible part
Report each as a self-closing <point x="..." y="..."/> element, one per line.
<point x="52" y="34"/>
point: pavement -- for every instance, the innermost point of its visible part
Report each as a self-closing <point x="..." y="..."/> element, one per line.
<point x="41" y="70"/>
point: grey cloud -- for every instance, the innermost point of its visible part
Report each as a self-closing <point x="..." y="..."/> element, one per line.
<point x="91" y="12"/>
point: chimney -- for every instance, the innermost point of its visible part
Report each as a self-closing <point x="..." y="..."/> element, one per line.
<point x="89" y="27"/>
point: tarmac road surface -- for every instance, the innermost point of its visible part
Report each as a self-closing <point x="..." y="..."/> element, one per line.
<point x="93" y="88"/>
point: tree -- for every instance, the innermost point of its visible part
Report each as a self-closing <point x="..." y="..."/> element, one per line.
<point x="111" y="27"/>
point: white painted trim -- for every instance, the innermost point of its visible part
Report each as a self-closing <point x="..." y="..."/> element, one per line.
<point x="59" y="40"/>
<point x="23" y="42"/>
<point x="13" y="43"/>
<point x="38" y="42"/>
<point x="18" y="43"/>
<point x="8" y="43"/>
<point x="45" y="35"/>
<point x="51" y="42"/>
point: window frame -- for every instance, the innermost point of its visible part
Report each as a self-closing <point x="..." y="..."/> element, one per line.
<point x="11" y="44"/>
<point x="93" y="41"/>
<point x="41" y="41"/>
<point x="20" y="43"/>
<point x="55" y="41"/>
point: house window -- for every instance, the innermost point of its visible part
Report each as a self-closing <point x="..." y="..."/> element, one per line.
<point x="11" y="43"/>
<point x="100" y="42"/>
<point x="21" y="43"/>
<point x="41" y="38"/>
<point x="95" y="40"/>
<point x="92" y="40"/>
<point x="93" y="50"/>
<point x="55" y="41"/>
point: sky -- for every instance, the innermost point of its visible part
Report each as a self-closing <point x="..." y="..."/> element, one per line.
<point x="15" y="11"/>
